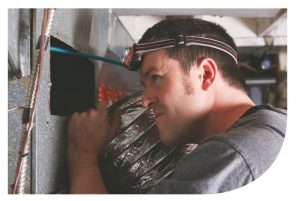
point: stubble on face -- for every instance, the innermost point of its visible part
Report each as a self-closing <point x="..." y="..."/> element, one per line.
<point x="189" y="89"/>
<point x="172" y="101"/>
<point x="171" y="126"/>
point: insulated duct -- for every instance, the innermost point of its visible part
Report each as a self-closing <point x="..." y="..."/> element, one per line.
<point x="136" y="160"/>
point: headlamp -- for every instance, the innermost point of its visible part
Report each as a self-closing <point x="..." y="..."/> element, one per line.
<point x="133" y="56"/>
<point x="132" y="59"/>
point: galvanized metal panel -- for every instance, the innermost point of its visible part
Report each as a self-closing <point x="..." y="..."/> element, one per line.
<point x="16" y="89"/>
<point x="75" y="27"/>
<point x="72" y="26"/>
<point x="49" y="143"/>
<point x="16" y="97"/>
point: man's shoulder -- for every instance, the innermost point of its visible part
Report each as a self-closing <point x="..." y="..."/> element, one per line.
<point x="257" y="137"/>
<point x="264" y="117"/>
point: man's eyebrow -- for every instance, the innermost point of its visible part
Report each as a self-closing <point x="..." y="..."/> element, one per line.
<point x="146" y="74"/>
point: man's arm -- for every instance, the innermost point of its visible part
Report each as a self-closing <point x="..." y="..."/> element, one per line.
<point x="88" y="133"/>
<point x="85" y="176"/>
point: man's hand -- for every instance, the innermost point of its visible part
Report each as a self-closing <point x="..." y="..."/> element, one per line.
<point x="88" y="133"/>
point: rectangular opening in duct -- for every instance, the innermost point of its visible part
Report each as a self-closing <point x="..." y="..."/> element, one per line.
<point x="73" y="81"/>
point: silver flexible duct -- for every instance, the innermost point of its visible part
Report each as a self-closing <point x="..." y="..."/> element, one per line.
<point x="136" y="160"/>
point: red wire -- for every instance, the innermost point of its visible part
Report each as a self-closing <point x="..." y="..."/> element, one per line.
<point x="27" y="132"/>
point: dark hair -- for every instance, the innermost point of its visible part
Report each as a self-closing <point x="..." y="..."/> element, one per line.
<point x="187" y="56"/>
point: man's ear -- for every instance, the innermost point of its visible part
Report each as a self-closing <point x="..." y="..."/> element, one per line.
<point x="207" y="70"/>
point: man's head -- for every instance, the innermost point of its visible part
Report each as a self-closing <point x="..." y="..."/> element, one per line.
<point x="181" y="81"/>
<point x="187" y="56"/>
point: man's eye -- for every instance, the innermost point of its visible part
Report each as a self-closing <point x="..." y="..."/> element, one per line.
<point x="155" y="77"/>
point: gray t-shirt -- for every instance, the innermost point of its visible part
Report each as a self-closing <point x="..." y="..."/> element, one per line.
<point x="232" y="159"/>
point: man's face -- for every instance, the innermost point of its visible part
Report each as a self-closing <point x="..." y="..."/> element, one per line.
<point x="174" y="96"/>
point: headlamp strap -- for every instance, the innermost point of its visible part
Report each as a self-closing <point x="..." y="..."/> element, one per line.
<point x="186" y="41"/>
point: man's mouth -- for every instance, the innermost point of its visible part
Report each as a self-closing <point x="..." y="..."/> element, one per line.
<point x="157" y="112"/>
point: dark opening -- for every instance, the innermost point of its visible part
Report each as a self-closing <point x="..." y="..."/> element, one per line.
<point x="73" y="82"/>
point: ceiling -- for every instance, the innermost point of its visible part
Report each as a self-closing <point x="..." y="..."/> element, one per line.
<point x="248" y="27"/>
<point x="197" y="11"/>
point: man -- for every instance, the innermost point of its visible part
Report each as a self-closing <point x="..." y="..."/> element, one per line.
<point x="198" y="95"/>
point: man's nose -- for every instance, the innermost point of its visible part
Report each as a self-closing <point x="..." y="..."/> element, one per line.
<point x="148" y="99"/>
